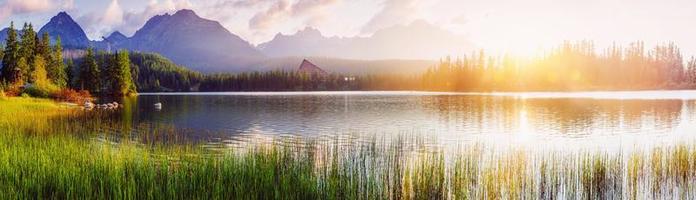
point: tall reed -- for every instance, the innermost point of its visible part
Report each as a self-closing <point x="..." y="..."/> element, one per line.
<point x="50" y="151"/>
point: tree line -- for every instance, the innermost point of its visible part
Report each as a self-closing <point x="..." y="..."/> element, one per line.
<point x="32" y="65"/>
<point x="570" y="66"/>
<point x="276" y="80"/>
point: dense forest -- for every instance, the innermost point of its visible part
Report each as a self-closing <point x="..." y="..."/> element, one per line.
<point x="279" y="80"/>
<point x="571" y="66"/>
<point x="150" y="72"/>
<point x="33" y="66"/>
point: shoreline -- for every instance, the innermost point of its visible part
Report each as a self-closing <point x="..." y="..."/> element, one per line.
<point x="65" y="156"/>
<point x="608" y="95"/>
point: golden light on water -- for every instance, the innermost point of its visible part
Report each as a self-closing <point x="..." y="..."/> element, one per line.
<point x="525" y="133"/>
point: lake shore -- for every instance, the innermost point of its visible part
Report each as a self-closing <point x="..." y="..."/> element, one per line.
<point x="56" y="154"/>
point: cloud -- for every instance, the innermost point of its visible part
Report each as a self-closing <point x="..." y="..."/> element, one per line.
<point x="312" y="10"/>
<point x="113" y="14"/>
<point x="28" y="6"/>
<point x="241" y="3"/>
<point x="12" y="7"/>
<point x="460" y="20"/>
<point x="68" y="5"/>
<point x="134" y="20"/>
<point x="265" y="19"/>
<point x="394" y="12"/>
<point x="227" y="10"/>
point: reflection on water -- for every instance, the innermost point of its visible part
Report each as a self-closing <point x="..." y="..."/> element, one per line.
<point x="382" y="145"/>
<point x="441" y="118"/>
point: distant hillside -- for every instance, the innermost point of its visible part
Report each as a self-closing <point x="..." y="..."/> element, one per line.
<point x="419" y="40"/>
<point x="157" y="73"/>
<point x="153" y="73"/>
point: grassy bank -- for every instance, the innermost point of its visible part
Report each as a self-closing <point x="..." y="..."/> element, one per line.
<point x="49" y="151"/>
<point x="20" y="105"/>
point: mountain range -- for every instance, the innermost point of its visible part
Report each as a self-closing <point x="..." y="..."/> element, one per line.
<point x="418" y="40"/>
<point x="205" y="45"/>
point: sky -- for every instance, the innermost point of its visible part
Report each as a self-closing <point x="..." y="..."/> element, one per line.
<point x="516" y="26"/>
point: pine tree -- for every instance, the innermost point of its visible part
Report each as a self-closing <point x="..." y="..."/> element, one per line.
<point x="28" y="44"/>
<point x="10" y="71"/>
<point x="21" y="74"/>
<point x="42" y="86"/>
<point x="89" y="73"/>
<point x="124" y="81"/>
<point x="39" y="76"/>
<point x="57" y="71"/>
<point x="110" y="73"/>
<point x="43" y="47"/>
<point x="39" y="49"/>
<point x="691" y="72"/>
<point x="72" y="74"/>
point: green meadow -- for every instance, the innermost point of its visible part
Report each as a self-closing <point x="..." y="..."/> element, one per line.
<point x="49" y="150"/>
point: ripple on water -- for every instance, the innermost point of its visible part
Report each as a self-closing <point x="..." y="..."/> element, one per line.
<point x="606" y="120"/>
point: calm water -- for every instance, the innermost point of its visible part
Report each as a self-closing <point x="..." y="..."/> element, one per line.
<point x="604" y="120"/>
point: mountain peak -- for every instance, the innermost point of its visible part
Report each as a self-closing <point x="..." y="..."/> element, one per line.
<point x="309" y="31"/>
<point x="63" y="17"/>
<point x="63" y="14"/>
<point x="63" y="26"/>
<point x="188" y="39"/>
<point x="185" y="13"/>
<point x="117" y="33"/>
<point x="116" y="36"/>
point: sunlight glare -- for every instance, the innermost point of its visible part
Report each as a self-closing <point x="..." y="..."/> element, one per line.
<point x="525" y="131"/>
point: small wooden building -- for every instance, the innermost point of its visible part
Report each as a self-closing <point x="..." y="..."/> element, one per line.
<point x="311" y="69"/>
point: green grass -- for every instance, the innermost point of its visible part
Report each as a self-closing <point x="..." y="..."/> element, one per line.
<point x="59" y="154"/>
<point x="19" y="105"/>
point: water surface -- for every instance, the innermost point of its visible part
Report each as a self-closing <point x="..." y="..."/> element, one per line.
<point x="541" y="120"/>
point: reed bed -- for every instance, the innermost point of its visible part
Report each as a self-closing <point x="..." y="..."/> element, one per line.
<point x="59" y="153"/>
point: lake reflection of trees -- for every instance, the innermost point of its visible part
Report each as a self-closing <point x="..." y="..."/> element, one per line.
<point x="559" y="116"/>
<point x="227" y="116"/>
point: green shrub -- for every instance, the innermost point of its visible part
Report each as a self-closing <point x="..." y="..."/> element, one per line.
<point x="35" y="92"/>
<point x="41" y="90"/>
